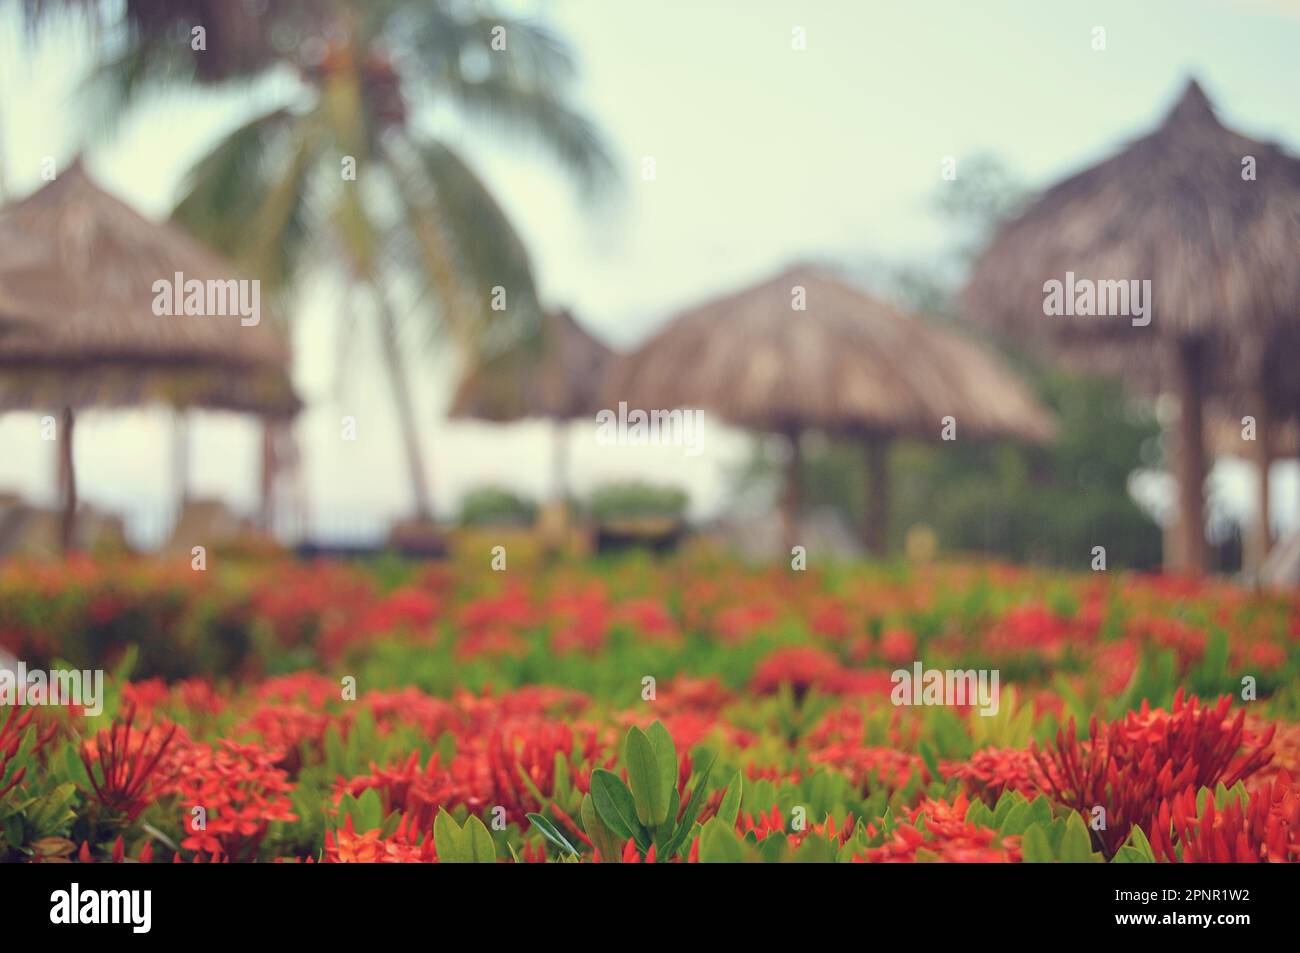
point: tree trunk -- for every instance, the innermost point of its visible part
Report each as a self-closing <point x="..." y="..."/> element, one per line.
<point x="67" y="483"/>
<point x="790" y="498"/>
<point x="875" y="527"/>
<point x="405" y="408"/>
<point x="1189" y="378"/>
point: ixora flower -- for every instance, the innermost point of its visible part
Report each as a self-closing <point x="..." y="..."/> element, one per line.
<point x="1134" y="764"/>
<point x="1264" y="827"/>
<point x="123" y="764"/>
<point x="990" y="772"/>
<point x="405" y="845"/>
<point x="938" y="830"/>
<point x="802" y="667"/>
<point x="772" y="689"/>
<point x="239" y="790"/>
<point x="773" y="824"/>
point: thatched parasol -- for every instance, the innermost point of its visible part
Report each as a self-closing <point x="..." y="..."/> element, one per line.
<point x="80" y="270"/>
<point x="77" y="274"/>
<point x="556" y="378"/>
<point x="849" y="363"/>
<point x="1212" y="219"/>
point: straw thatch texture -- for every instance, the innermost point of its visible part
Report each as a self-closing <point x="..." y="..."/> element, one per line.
<point x="264" y="392"/>
<point x="1172" y="207"/>
<point x="77" y="271"/>
<point x="847" y="363"/>
<point x="557" y="377"/>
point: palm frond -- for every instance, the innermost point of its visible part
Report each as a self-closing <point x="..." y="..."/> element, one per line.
<point x="250" y="197"/>
<point x="536" y="114"/>
<point x="444" y="43"/>
<point x="467" y="244"/>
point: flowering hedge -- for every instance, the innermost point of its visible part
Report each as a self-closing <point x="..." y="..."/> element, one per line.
<point x="632" y="711"/>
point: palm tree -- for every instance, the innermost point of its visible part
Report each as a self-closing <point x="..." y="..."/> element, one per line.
<point x="346" y="168"/>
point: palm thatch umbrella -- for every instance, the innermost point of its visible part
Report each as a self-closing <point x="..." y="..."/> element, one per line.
<point x="804" y="351"/>
<point x="557" y="378"/>
<point x="1212" y="219"/>
<point x="77" y="290"/>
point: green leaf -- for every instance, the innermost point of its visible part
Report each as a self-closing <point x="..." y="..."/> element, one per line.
<point x="549" y="831"/>
<point x="729" y="810"/>
<point x="698" y="794"/>
<point x="479" y="842"/>
<point x="51" y="812"/>
<point x="1038" y="812"/>
<point x="369" y="814"/>
<point x="602" y="838"/>
<point x="615" y="805"/>
<point x="931" y="762"/>
<point x="813" y="850"/>
<point x="663" y="834"/>
<point x="719" y="844"/>
<point x="979" y="814"/>
<point x="1130" y="855"/>
<point x="1076" y="843"/>
<point x="1006" y="802"/>
<point x="661" y="742"/>
<point x="773" y="850"/>
<point x="450" y="841"/>
<point x="644" y="777"/>
<point x="1139" y="845"/>
<point x="1034" y="846"/>
<point x="1017" y="819"/>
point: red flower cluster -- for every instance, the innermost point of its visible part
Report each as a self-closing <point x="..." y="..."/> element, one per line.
<point x="406" y="845"/>
<point x="939" y="831"/>
<point x="1133" y="765"/>
<point x="1266" y="828"/>
<point x="123" y="763"/>
<point x="240" y="791"/>
<point x="804" y="668"/>
<point x="990" y="772"/>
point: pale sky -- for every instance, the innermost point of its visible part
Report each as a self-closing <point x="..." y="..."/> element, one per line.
<point x="764" y="154"/>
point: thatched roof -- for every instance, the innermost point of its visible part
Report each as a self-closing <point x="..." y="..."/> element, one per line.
<point x="77" y="272"/>
<point x="1172" y="207"/>
<point x="264" y="392"/>
<point x="848" y="363"/>
<point x="77" y="326"/>
<point x="557" y="377"/>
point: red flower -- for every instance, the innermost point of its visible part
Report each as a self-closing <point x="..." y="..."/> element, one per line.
<point x="406" y="845"/>
<point x="1134" y="764"/>
<point x="1266" y="828"/>
<point x="240" y="791"/>
<point x="991" y="771"/>
<point x="801" y="667"/>
<point x="128" y="765"/>
<point x="939" y="831"/>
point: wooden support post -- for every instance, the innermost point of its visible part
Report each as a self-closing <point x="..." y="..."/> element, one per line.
<point x="1189" y="382"/>
<point x="67" y="483"/>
